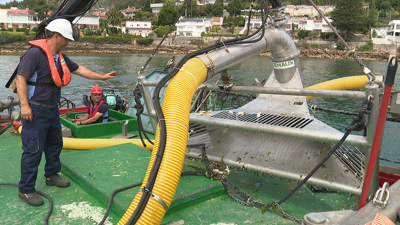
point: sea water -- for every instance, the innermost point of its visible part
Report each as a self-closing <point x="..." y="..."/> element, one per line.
<point x="313" y="71"/>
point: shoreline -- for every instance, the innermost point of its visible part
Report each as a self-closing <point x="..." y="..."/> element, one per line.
<point x="87" y="48"/>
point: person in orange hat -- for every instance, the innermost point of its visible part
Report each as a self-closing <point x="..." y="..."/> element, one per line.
<point x="97" y="111"/>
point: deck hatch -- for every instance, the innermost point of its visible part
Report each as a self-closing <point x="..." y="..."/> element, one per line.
<point x="261" y="118"/>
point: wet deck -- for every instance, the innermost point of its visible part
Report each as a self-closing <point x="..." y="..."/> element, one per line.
<point x="95" y="174"/>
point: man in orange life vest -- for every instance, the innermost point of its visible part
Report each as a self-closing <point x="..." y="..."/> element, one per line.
<point x="42" y="71"/>
<point x="97" y="111"/>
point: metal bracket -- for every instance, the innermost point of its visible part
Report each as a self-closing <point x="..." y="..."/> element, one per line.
<point x="124" y="134"/>
<point x="226" y="77"/>
<point x="382" y="196"/>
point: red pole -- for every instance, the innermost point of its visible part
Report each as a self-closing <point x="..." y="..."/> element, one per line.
<point x="389" y="81"/>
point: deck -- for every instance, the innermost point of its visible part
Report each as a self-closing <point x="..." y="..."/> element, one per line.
<point x="95" y="174"/>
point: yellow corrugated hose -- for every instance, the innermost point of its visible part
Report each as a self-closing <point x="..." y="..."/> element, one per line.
<point x="176" y="108"/>
<point x="344" y="83"/>
<point x="87" y="144"/>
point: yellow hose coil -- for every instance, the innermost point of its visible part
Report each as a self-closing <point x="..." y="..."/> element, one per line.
<point x="87" y="144"/>
<point x="176" y="108"/>
<point x="344" y="83"/>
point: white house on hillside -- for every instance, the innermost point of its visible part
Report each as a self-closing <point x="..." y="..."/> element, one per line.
<point x="130" y="12"/>
<point x="21" y="18"/>
<point x="156" y="7"/>
<point x="193" y="27"/>
<point x="306" y="10"/>
<point x="90" y="20"/>
<point x="318" y="25"/>
<point x="394" y="31"/>
<point x="142" y="28"/>
<point x="18" y="18"/>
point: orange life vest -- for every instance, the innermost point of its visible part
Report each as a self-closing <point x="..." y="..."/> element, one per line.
<point x="42" y="44"/>
<point x="93" y="112"/>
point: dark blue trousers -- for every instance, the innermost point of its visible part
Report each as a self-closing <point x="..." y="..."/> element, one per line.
<point x="42" y="134"/>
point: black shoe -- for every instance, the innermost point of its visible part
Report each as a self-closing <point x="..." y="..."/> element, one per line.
<point x="32" y="199"/>
<point x="56" y="180"/>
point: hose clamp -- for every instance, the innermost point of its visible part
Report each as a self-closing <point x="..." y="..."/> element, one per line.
<point x="158" y="199"/>
<point x="209" y="64"/>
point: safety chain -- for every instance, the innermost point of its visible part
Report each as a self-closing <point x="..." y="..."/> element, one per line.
<point x="137" y="92"/>
<point x="277" y="207"/>
<point x="209" y="171"/>
<point x="247" y="201"/>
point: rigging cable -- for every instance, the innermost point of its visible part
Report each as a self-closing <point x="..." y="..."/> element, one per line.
<point x="366" y="70"/>
<point x="162" y="40"/>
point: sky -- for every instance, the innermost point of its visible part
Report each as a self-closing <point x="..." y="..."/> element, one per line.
<point x="4" y="1"/>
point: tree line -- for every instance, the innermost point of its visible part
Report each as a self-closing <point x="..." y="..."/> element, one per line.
<point x="234" y="7"/>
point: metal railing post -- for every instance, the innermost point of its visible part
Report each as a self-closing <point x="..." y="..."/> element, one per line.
<point x="148" y="102"/>
<point x="372" y="121"/>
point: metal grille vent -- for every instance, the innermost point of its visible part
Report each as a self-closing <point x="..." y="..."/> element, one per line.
<point x="352" y="157"/>
<point x="268" y="119"/>
<point x="196" y="129"/>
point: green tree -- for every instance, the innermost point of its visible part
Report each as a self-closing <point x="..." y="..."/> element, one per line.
<point x="168" y="14"/>
<point x="192" y="9"/>
<point x="146" y="14"/>
<point x="114" y="17"/>
<point x="234" y="7"/>
<point x="348" y="16"/>
<point x="206" y="10"/>
<point x="138" y="15"/>
<point x="372" y="15"/>
<point x="232" y="29"/>
<point x="218" y="8"/>
<point x="42" y="7"/>
<point x="146" y="5"/>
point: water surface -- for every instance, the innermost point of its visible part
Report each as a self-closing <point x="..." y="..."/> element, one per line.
<point x="313" y="71"/>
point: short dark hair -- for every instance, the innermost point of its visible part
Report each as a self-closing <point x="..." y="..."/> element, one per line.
<point x="49" y="34"/>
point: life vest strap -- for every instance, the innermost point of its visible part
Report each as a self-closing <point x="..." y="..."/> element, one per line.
<point x="53" y="91"/>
